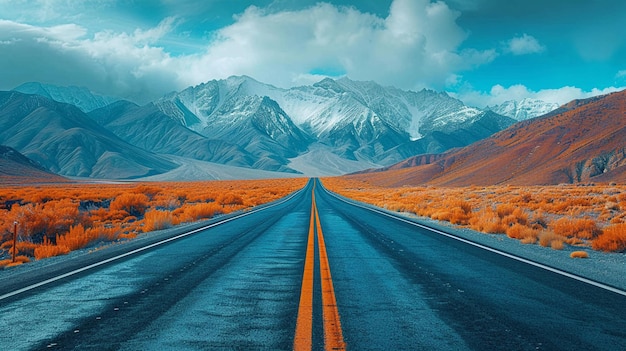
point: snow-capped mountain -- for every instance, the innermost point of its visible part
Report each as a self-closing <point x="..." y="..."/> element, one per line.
<point x="524" y="109"/>
<point x="149" y="128"/>
<point x="261" y="127"/>
<point x="80" y="97"/>
<point x="359" y="121"/>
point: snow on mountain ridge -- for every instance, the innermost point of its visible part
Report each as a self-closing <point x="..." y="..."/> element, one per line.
<point x="523" y="109"/>
<point x="80" y="97"/>
<point x="362" y="121"/>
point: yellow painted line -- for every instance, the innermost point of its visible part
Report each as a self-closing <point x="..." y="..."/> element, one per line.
<point x="304" y="324"/>
<point x="333" y="336"/>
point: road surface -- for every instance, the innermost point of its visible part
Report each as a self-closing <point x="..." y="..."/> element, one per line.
<point x="309" y="272"/>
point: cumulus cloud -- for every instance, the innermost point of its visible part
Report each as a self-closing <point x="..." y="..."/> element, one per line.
<point x="524" y="45"/>
<point x="499" y="94"/>
<point x="117" y="64"/>
<point x="416" y="46"/>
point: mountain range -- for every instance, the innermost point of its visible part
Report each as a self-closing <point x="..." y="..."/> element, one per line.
<point x="361" y="122"/>
<point x="580" y="142"/>
<point x="235" y="127"/>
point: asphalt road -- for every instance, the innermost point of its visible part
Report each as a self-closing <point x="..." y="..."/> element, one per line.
<point x="242" y="284"/>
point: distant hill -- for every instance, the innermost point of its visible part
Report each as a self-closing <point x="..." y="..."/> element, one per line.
<point x="66" y="141"/>
<point x="583" y="141"/>
<point x="17" y="168"/>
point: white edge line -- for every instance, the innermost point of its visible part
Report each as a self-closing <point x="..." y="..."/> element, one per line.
<point x="518" y="258"/>
<point x="115" y="258"/>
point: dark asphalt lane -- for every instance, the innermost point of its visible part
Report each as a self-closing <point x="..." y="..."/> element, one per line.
<point x="404" y="288"/>
<point x="234" y="286"/>
<point x="238" y="285"/>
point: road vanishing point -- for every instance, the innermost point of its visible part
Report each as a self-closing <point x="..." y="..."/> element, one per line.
<point x="313" y="271"/>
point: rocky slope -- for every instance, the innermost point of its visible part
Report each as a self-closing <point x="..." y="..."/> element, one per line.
<point x="16" y="168"/>
<point x="63" y="139"/>
<point x="585" y="141"/>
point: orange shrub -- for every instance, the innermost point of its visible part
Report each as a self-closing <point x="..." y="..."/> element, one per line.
<point x="460" y="211"/>
<point x="613" y="238"/>
<point x="504" y="210"/>
<point x="521" y="232"/>
<point x="516" y="216"/>
<point x="156" y="220"/>
<point x="194" y="212"/>
<point x="549" y="238"/>
<point x="487" y="221"/>
<point x="134" y="204"/>
<point x="104" y="233"/>
<point x="75" y="239"/>
<point x="583" y="228"/>
<point x="229" y="199"/>
<point x="47" y="249"/>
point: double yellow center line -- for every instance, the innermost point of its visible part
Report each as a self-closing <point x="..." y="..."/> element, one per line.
<point x="333" y="336"/>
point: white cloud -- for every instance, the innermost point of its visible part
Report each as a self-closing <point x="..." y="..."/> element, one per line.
<point x="524" y="45"/>
<point x="117" y="64"/>
<point x="499" y="94"/>
<point x="416" y="46"/>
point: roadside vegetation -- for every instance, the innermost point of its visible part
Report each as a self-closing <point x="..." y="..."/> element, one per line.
<point x="585" y="216"/>
<point x="56" y="219"/>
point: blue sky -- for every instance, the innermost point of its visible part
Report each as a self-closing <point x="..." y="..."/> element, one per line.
<point x="482" y="51"/>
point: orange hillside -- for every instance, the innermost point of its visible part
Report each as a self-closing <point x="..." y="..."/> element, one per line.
<point x="586" y="143"/>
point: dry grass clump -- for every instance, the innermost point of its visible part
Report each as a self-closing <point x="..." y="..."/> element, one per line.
<point x="583" y="228"/>
<point x="18" y="261"/>
<point x="454" y="211"/>
<point x="579" y="254"/>
<point x="487" y="220"/>
<point x="56" y="219"/>
<point x="613" y="238"/>
<point x="524" y="233"/>
<point x="552" y="216"/>
<point x="551" y="239"/>
<point x="157" y="220"/>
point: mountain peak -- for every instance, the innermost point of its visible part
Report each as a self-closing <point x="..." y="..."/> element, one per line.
<point x="523" y="109"/>
<point x="81" y="97"/>
<point x="329" y="84"/>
